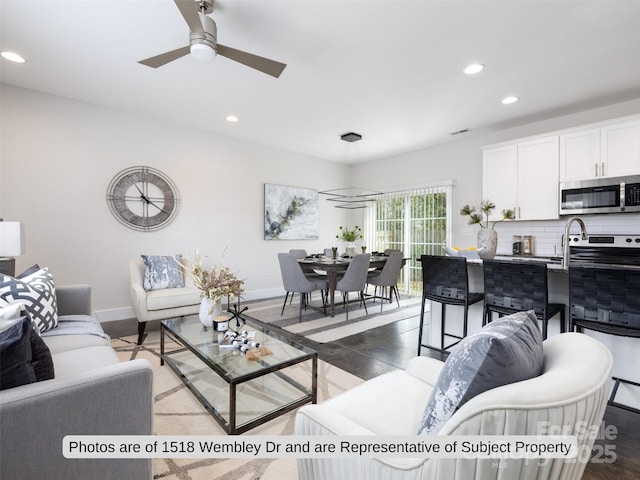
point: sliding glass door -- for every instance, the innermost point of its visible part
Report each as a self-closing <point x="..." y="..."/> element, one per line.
<point x="416" y="222"/>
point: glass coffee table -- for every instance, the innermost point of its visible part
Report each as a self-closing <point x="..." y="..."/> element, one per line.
<point x="238" y="392"/>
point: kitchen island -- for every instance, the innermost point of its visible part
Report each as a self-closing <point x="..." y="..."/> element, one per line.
<point x="625" y="350"/>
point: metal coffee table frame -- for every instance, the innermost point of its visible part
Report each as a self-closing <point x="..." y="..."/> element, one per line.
<point x="173" y="329"/>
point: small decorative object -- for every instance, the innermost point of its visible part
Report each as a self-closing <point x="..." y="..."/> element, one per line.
<point x="254" y="355"/>
<point x="364" y="248"/>
<point x="214" y="283"/>
<point x="334" y="252"/>
<point x="487" y="236"/>
<point x="350" y="236"/>
<point x="211" y="315"/>
<point x="487" y="243"/>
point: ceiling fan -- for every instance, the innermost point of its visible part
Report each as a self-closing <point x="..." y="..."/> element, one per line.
<point x="203" y="42"/>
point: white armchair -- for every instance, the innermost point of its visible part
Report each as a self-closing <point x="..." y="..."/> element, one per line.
<point x="160" y="304"/>
<point x="569" y="397"/>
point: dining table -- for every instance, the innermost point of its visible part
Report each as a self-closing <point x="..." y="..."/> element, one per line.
<point x="333" y="266"/>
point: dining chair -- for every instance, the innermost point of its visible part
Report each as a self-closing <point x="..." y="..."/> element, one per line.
<point x="511" y="286"/>
<point x="387" y="278"/>
<point x="355" y="279"/>
<point x="298" y="253"/>
<point x="295" y="281"/>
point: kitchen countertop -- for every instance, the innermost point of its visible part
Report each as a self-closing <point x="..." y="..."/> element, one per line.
<point x="553" y="263"/>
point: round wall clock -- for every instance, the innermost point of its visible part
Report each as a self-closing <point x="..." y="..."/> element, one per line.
<point x="142" y="198"/>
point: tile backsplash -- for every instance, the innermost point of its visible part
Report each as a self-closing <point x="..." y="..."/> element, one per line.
<point x="547" y="234"/>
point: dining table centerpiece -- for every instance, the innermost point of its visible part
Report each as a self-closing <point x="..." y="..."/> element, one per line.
<point x="214" y="283"/>
<point x="487" y="240"/>
<point x="349" y="236"/>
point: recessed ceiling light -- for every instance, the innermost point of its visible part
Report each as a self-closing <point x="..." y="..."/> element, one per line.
<point x="474" y="68"/>
<point x="13" y="57"/>
<point x="509" y="100"/>
<point x="232" y="118"/>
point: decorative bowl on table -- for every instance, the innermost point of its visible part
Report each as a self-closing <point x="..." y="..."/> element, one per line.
<point x="469" y="253"/>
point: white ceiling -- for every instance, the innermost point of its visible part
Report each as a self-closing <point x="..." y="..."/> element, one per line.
<point x="389" y="70"/>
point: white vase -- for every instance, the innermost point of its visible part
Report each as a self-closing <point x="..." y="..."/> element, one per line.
<point x="487" y="243"/>
<point x="209" y="310"/>
<point x="351" y="249"/>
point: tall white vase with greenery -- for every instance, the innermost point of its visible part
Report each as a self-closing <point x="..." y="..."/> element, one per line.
<point x="487" y="236"/>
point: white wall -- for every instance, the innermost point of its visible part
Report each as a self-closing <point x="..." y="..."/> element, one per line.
<point x="58" y="156"/>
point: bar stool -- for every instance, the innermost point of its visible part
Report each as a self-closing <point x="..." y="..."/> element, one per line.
<point x="511" y="286"/>
<point x="445" y="280"/>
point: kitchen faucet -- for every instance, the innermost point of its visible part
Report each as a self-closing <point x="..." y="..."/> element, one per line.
<point x="565" y="244"/>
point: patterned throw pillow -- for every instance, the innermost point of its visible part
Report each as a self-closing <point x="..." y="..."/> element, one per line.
<point x="38" y="295"/>
<point x="162" y="272"/>
<point x="505" y="351"/>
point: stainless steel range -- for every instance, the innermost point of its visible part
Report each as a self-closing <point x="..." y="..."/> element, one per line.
<point x="615" y="251"/>
<point x="604" y="289"/>
<point x="604" y="283"/>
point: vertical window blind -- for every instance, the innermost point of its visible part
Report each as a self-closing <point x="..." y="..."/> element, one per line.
<point x="416" y="221"/>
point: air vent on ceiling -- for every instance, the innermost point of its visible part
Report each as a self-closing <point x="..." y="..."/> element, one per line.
<point x="464" y="130"/>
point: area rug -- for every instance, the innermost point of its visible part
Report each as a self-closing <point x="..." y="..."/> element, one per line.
<point x="321" y="328"/>
<point x="177" y="412"/>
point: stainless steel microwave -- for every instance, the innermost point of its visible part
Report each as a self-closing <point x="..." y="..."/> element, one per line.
<point x="601" y="195"/>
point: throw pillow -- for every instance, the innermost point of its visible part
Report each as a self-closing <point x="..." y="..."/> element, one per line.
<point x="15" y="356"/>
<point x="40" y="357"/>
<point x="38" y="295"/>
<point x="162" y="272"/>
<point x="10" y="315"/>
<point x="32" y="269"/>
<point x="505" y="351"/>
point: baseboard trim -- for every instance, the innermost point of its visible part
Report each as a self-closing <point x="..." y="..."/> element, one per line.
<point x="125" y="313"/>
<point x="114" y="314"/>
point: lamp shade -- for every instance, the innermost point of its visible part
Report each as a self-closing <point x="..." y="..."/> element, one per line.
<point x="10" y="239"/>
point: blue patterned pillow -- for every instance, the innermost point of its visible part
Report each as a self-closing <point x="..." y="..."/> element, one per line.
<point x="162" y="272"/>
<point x="36" y="292"/>
<point x="505" y="351"/>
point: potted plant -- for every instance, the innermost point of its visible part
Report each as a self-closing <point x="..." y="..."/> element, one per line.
<point x="487" y="236"/>
<point x="350" y="236"/>
<point x="214" y="283"/>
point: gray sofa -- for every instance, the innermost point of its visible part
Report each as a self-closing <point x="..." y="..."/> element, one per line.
<point x="93" y="393"/>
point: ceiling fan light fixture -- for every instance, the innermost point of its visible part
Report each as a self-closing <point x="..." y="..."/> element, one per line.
<point x="202" y="52"/>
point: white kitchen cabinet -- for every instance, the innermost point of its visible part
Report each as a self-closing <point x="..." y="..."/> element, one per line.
<point x="620" y="149"/>
<point x="579" y="154"/>
<point x="608" y="149"/>
<point x="538" y="179"/>
<point x="500" y="177"/>
<point x="523" y="176"/>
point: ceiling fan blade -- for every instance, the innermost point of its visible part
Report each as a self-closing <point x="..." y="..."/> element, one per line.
<point x="164" y="58"/>
<point x="189" y="11"/>
<point x="270" y="67"/>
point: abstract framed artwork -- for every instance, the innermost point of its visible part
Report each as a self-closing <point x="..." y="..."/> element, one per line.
<point x="290" y="213"/>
